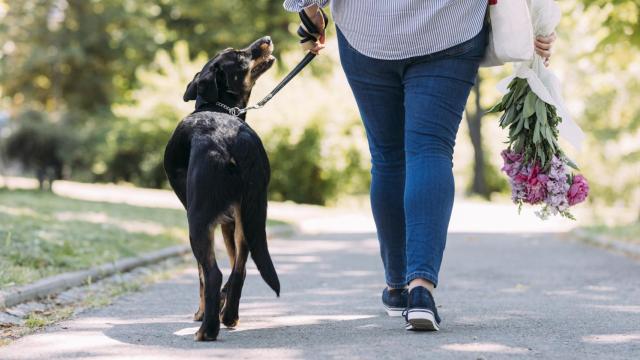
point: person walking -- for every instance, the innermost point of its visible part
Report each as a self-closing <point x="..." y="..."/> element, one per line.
<point x="410" y="65"/>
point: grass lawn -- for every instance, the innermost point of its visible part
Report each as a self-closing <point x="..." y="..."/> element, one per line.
<point x="42" y="234"/>
<point x="629" y="232"/>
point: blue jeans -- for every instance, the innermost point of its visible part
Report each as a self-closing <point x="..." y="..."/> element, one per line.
<point x="411" y="110"/>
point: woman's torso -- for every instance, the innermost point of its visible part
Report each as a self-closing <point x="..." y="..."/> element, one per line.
<point x="400" y="29"/>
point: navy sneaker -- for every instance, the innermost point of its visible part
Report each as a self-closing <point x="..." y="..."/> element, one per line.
<point x="394" y="301"/>
<point x="421" y="312"/>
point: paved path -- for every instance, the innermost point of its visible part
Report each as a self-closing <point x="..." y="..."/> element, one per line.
<point x="526" y="292"/>
<point x="502" y="296"/>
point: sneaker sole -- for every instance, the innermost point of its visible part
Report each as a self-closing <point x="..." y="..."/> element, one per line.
<point x="393" y="312"/>
<point x="421" y="320"/>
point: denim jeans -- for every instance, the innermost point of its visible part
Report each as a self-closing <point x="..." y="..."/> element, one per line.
<point x="411" y="110"/>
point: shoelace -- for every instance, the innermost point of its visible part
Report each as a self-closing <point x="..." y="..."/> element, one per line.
<point x="405" y="314"/>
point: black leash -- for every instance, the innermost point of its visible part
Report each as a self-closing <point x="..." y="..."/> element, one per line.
<point x="307" y="31"/>
<point x="235" y="111"/>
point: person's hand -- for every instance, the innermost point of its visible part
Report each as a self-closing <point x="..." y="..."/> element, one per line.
<point x="318" y="20"/>
<point x="543" y="45"/>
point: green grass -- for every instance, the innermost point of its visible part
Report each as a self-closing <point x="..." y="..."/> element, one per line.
<point x="42" y="234"/>
<point x="629" y="232"/>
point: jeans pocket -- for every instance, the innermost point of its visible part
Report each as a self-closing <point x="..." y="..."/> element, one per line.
<point x="459" y="49"/>
<point x="473" y="48"/>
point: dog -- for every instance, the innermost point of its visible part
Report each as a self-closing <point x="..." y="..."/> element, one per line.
<point x="218" y="168"/>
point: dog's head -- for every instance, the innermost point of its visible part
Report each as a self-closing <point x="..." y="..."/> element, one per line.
<point x="232" y="73"/>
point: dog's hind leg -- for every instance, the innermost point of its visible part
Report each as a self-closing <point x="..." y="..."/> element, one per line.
<point x="229" y="314"/>
<point x="200" y="313"/>
<point x="227" y="233"/>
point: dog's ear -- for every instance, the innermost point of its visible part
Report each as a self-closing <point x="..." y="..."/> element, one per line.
<point x="207" y="84"/>
<point x="191" y="92"/>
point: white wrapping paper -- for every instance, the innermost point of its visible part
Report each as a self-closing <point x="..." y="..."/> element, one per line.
<point x="545" y="16"/>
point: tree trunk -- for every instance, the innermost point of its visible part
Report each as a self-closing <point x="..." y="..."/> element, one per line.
<point x="474" y="121"/>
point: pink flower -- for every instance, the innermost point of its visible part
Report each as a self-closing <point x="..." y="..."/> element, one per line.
<point x="578" y="191"/>
<point x="512" y="162"/>
<point x="510" y="156"/>
<point x="536" y="191"/>
<point x="536" y="185"/>
<point x="520" y="178"/>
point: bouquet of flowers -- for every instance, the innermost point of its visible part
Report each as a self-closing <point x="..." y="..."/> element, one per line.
<point x="539" y="171"/>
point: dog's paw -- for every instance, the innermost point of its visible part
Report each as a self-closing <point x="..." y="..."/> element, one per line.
<point x="229" y="321"/>
<point x="207" y="334"/>
<point x="198" y="315"/>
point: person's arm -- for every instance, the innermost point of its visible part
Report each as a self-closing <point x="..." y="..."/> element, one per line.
<point x="299" y="5"/>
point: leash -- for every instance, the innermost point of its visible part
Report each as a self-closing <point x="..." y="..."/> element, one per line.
<point x="309" y="34"/>
<point x="236" y="111"/>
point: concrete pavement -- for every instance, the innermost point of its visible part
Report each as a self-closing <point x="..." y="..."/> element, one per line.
<point x="501" y="296"/>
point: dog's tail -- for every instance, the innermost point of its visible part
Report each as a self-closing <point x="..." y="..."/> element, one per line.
<point x="253" y="225"/>
<point x="253" y="164"/>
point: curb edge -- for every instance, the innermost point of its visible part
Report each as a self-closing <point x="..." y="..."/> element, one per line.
<point x="607" y="242"/>
<point x="57" y="283"/>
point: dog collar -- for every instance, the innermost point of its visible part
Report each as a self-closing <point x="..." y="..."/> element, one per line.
<point x="236" y="111"/>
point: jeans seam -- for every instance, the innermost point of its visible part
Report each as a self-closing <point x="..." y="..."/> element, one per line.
<point x="396" y="285"/>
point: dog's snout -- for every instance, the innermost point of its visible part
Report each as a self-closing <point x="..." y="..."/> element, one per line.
<point x="264" y="43"/>
<point x="261" y="47"/>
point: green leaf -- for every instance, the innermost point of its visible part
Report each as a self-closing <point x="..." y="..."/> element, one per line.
<point x="550" y="138"/>
<point x="519" y="145"/>
<point x="536" y="133"/>
<point x="508" y="117"/>
<point x="571" y="163"/>
<point x="541" y="111"/>
<point x="519" y="124"/>
<point x="529" y="104"/>
<point x="543" y="159"/>
<point x="496" y="108"/>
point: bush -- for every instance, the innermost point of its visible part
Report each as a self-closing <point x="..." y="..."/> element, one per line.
<point x="300" y="172"/>
<point x="39" y="145"/>
<point x="133" y="149"/>
<point x="296" y="169"/>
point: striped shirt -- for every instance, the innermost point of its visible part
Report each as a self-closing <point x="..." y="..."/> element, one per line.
<point x="400" y="29"/>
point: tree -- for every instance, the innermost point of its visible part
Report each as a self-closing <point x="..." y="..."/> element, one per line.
<point x="79" y="59"/>
<point x="82" y="55"/>
<point x="485" y="178"/>
<point x="213" y="25"/>
<point x="73" y="54"/>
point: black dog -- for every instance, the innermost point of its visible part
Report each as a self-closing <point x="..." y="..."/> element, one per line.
<point x="218" y="167"/>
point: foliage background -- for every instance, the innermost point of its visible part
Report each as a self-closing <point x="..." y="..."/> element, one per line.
<point x="109" y="76"/>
